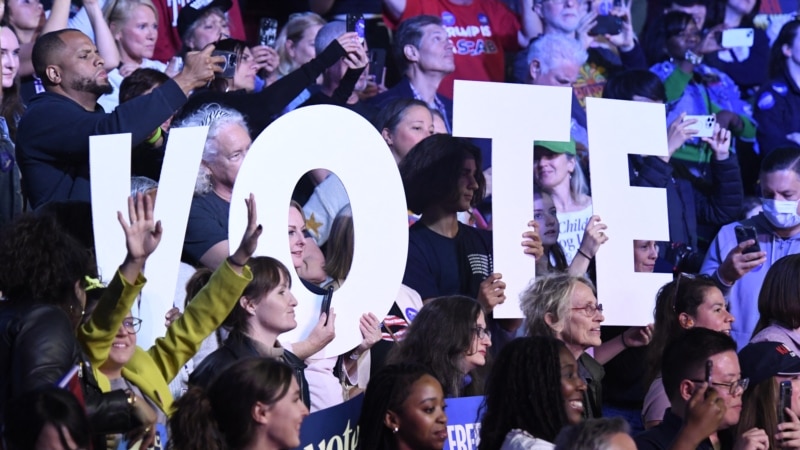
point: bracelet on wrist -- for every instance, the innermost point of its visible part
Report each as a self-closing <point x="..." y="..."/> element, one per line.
<point x="233" y="262"/>
<point x="582" y="253"/>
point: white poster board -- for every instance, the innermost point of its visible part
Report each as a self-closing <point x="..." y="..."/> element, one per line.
<point x="343" y="142"/>
<point x="616" y="129"/>
<point x="513" y="116"/>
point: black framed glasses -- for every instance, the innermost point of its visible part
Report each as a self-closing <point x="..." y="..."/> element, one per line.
<point x="132" y="324"/>
<point x="482" y="333"/>
<point x="733" y="388"/>
<point x="590" y="310"/>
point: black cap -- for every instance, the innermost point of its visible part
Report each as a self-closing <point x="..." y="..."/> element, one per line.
<point x="195" y="10"/>
<point x="761" y="360"/>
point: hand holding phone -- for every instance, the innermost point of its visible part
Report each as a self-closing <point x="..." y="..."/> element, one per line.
<point x="704" y="125"/>
<point x="784" y="400"/>
<point x="326" y="303"/>
<point x="747" y="233"/>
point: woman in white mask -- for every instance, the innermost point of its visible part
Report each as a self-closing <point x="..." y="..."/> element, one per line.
<point x="740" y="264"/>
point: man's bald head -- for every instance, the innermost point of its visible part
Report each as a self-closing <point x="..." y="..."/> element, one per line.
<point x="46" y="51"/>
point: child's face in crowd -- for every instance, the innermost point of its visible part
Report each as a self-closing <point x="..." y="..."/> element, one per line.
<point x="137" y="36"/>
<point x="9" y="56"/>
<point x="421" y="421"/>
<point x="544" y="212"/>
<point x="572" y="387"/>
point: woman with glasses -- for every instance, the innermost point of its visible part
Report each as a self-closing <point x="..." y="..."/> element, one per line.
<point x="109" y="337"/>
<point x="533" y="392"/>
<point x="685" y="303"/>
<point x="768" y="365"/>
<point x="449" y="337"/>
<point x="565" y="307"/>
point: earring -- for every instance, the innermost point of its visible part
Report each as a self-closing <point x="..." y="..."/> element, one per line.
<point x="395" y="430"/>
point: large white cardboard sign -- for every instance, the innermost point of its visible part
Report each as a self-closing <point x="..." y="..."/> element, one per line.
<point x="618" y="128"/>
<point x="513" y="116"/>
<point x="343" y="142"/>
<point x="111" y="188"/>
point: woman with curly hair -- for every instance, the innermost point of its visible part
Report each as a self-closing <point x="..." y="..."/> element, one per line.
<point x="533" y="392"/>
<point x="449" y="337"/>
<point x="403" y="409"/>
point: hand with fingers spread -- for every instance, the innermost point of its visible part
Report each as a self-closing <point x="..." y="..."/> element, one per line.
<point x="492" y="292"/>
<point x="249" y="241"/>
<point x="585" y="25"/>
<point x="532" y="241"/>
<point x="142" y="235"/>
<point x="737" y="264"/>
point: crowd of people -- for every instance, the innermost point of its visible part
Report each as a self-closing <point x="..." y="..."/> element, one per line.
<point x="718" y="367"/>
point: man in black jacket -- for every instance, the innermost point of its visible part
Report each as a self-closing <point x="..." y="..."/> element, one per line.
<point x="53" y="134"/>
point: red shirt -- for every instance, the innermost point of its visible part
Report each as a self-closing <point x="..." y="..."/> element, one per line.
<point x="480" y="32"/>
<point x="169" y="42"/>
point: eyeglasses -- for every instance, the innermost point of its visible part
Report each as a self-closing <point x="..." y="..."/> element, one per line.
<point x="734" y="387"/>
<point x="482" y="333"/>
<point x="590" y="310"/>
<point x="132" y="324"/>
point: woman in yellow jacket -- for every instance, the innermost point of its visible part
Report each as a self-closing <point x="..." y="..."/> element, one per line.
<point x="109" y="337"/>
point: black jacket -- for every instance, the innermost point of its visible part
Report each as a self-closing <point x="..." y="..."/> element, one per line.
<point x="37" y="348"/>
<point x="236" y="347"/>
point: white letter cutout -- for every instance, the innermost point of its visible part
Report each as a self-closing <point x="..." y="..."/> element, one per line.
<point x="343" y="142"/>
<point x="513" y="116"/>
<point x="618" y="128"/>
<point x="110" y="157"/>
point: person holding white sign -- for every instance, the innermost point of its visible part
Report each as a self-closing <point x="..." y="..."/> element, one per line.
<point x="53" y="134"/>
<point x="738" y="261"/>
<point x="690" y="209"/>
<point x="559" y="174"/>
<point x="441" y="177"/>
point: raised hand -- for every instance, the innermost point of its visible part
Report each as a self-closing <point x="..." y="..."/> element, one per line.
<point x="250" y="239"/>
<point x="142" y="235"/>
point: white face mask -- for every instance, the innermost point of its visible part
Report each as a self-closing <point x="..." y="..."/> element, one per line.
<point x="781" y="213"/>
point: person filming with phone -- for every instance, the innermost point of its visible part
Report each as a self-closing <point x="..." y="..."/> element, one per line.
<point x="772" y="400"/>
<point x="739" y="261"/>
<point x="704" y="383"/>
